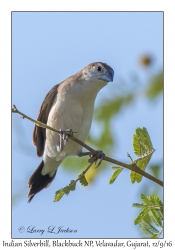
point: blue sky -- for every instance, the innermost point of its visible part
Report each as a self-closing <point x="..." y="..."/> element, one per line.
<point x="48" y="47"/>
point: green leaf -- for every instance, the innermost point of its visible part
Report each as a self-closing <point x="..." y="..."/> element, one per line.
<point x="146" y="200"/>
<point x="152" y="200"/>
<point x="155" y="199"/>
<point x="141" y="163"/>
<point x="133" y="176"/>
<point x="115" y="174"/>
<point x="66" y="190"/>
<point x="142" y="147"/>
<point x="59" y="194"/>
<point x="72" y="185"/>
<point x="155" y="236"/>
<point x="155" y="218"/>
<point x="141" y="142"/>
<point x="141" y="215"/>
<point x="158" y="206"/>
<point x="139" y="205"/>
<point x="147" y="228"/>
<point x="83" y="181"/>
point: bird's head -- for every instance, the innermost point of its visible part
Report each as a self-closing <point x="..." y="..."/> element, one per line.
<point x="88" y="82"/>
<point x="98" y="71"/>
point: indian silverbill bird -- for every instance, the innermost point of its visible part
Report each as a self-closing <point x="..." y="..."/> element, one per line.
<point x="68" y="105"/>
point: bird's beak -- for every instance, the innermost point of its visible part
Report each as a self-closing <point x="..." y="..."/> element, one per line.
<point x="108" y="76"/>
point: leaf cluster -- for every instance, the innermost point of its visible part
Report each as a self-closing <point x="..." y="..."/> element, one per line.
<point x="143" y="148"/>
<point x="72" y="185"/>
<point x="152" y="208"/>
<point x="66" y="190"/>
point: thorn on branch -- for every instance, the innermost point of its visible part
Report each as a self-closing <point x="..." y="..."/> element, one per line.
<point x="130" y="157"/>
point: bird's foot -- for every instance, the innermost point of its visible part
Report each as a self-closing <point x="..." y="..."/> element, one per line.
<point x="98" y="156"/>
<point x="64" y="135"/>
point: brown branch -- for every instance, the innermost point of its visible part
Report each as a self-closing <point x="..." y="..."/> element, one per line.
<point x="132" y="167"/>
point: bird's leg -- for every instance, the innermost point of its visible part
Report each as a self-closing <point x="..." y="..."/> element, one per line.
<point x="84" y="154"/>
<point x="64" y="135"/>
<point x="94" y="157"/>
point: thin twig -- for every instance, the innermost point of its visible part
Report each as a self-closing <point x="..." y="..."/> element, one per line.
<point x="132" y="167"/>
<point x="84" y="172"/>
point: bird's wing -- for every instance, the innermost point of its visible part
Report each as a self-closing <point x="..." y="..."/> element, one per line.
<point x="39" y="134"/>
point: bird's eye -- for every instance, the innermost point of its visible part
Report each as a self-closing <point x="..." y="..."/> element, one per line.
<point x="99" y="68"/>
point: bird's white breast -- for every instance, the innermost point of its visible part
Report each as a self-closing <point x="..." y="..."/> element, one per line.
<point x="68" y="113"/>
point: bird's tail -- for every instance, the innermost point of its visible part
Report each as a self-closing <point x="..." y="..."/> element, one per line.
<point x="38" y="181"/>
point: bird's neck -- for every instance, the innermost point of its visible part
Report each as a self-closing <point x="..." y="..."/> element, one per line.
<point x="83" y="91"/>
